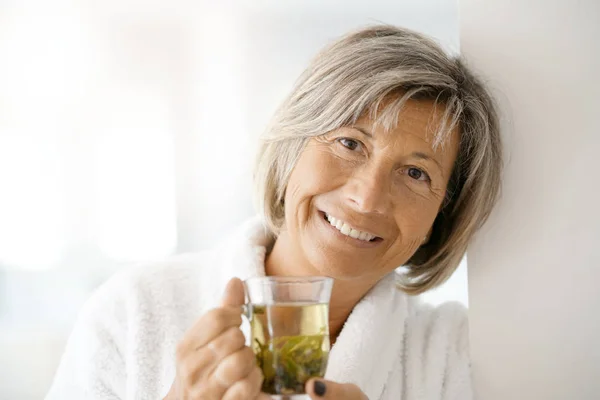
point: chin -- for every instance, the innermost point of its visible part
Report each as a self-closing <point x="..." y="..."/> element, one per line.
<point x="337" y="267"/>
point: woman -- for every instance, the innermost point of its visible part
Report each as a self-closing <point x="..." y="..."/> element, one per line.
<point x="386" y="154"/>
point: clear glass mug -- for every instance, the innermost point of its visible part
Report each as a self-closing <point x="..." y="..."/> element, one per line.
<point x="289" y="331"/>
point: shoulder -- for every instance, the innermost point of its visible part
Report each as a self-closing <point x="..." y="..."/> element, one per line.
<point x="437" y="350"/>
<point x="138" y="314"/>
<point x="446" y="324"/>
<point x="168" y="292"/>
<point x="124" y="338"/>
<point x="142" y="303"/>
<point x="172" y="282"/>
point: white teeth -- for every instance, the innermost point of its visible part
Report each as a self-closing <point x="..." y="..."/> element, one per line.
<point x="348" y="230"/>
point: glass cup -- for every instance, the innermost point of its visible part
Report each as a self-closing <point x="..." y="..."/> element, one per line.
<point x="289" y="331"/>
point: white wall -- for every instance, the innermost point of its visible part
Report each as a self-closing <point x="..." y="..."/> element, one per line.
<point x="535" y="270"/>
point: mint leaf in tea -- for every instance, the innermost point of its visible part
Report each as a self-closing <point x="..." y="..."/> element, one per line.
<point x="291" y="343"/>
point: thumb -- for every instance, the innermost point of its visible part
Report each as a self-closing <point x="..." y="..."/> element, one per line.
<point x="233" y="296"/>
<point x="321" y="389"/>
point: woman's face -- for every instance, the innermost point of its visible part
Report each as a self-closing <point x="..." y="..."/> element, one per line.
<point x="360" y="201"/>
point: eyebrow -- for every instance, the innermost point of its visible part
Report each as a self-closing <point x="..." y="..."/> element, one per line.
<point x="364" y="131"/>
<point x="416" y="154"/>
<point x="423" y="156"/>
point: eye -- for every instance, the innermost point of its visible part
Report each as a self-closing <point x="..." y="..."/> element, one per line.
<point x="348" y="143"/>
<point x="418" y="174"/>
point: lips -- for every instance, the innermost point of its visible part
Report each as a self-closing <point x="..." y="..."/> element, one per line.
<point x="348" y="230"/>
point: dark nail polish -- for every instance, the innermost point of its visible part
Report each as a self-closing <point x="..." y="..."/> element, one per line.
<point x="319" y="388"/>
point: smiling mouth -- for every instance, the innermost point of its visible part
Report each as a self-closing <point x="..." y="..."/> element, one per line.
<point x="346" y="229"/>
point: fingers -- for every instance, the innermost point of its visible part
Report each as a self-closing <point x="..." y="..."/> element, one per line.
<point x="234" y="294"/>
<point x="208" y="327"/>
<point x="320" y="389"/>
<point x="195" y="367"/>
<point x="213" y="360"/>
<point x="248" y="388"/>
<point x="212" y="380"/>
<point x="218" y="320"/>
<point x="227" y="343"/>
<point x="234" y="367"/>
<point x="202" y="361"/>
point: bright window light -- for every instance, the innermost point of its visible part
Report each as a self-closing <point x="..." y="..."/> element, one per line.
<point x="42" y="69"/>
<point x="31" y="202"/>
<point x="134" y="209"/>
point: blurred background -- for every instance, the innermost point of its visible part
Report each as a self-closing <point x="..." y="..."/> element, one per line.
<point x="127" y="133"/>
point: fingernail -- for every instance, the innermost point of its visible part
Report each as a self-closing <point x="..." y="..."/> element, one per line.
<point x="319" y="388"/>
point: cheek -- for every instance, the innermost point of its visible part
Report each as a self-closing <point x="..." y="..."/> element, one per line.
<point x="321" y="159"/>
<point x="317" y="171"/>
<point x="311" y="177"/>
<point x="413" y="224"/>
<point x="414" y="215"/>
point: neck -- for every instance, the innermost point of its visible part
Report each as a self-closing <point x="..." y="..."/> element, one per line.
<point x="287" y="260"/>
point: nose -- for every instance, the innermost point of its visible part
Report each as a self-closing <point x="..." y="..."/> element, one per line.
<point x="367" y="191"/>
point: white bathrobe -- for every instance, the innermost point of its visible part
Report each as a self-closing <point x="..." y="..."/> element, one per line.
<point x="123" y="343"/>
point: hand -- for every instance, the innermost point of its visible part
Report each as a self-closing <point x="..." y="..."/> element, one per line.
<point x="213" y="362"/>
<point x="320" y="389"/>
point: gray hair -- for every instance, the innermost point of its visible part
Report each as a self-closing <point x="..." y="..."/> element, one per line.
<point x="376" y="70"/>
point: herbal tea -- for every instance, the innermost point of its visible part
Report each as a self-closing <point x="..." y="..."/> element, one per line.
<point x="291" y="343"/>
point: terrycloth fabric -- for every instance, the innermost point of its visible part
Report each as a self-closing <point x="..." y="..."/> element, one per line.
<point x="123" y="344"/>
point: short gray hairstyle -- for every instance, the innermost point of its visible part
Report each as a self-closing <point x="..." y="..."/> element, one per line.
<point x="376" y="70"/>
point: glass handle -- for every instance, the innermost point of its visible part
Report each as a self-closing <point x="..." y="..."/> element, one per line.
<point x="247" y="311"/>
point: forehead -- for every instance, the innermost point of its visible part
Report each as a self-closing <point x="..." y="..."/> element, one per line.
<point x="421" y="118"/>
